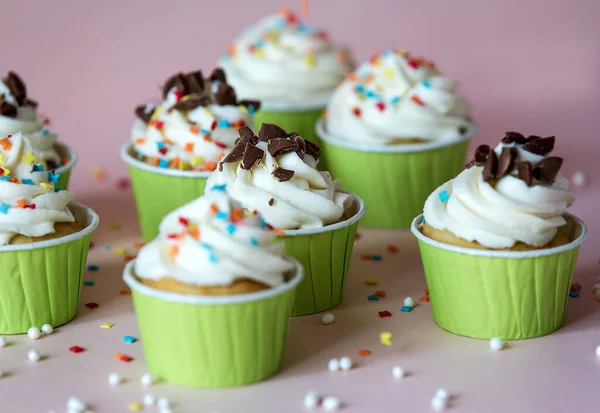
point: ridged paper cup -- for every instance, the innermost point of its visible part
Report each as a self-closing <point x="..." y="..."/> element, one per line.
<point x="40" y="282"/>
<point x="508" y="294"/>
<point x="158" y="191"/>
<point x="393" y="180"/>
<point x="325" y="254"/>
<point x="202" y="341"/>
<point x="65" y="170"/>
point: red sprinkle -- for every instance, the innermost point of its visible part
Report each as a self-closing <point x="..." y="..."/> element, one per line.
<point x="358" y="236"/>
<point x="383" y="314"/>
<point x="392" y="248"/>
<point x="356" y="111"/>
<point x="184" y="221"/>
<point x="160" y="124"/>
<point x="414" y="62"/>
<point x="417" y="100"/>
<point x="92" y="305"/>
<point x="574" y="287"/>
<point x="366" y="257"/>
<point x="381" y="294"/>
<point x="123" y="183"/>
<point x="76" y="349"/>
<point x="178" y="94"/>
<point x="213" y="125"/>
<point x="123" y="357"/>
<point x="30" y="206"/>
<point x="163" y="151"/>
<point x="221" y="145"/>
<point x="380" y="106"/>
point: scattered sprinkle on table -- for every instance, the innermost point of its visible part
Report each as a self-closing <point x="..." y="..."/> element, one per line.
<point x="380" y="293"/>
<point x="123" y="357"/>
<point x="371" y="257"/>
<point x="76" y="349"/>
<point x="386" y="338"/>
<point x="134" y="406"/>
<point x="92" y="305"/>
<point x="121" y="251"/>
<point x="106" y="325"/>
<point x="371" y="281"/>
<point x="123" y="183"/>
<point x="129" y="339"/>
<point x="125" y="291"/>
<point x="89" y="283"/>
<point x="114" y="226"/>
<point x="357" y="236"/>
<point x="373" y="297"/>
<point x="392" y="249"/>
<point x="424" y="299"/>
<point x="406" y="309"/>
<point x="106" y="247"/>
<point x="98" y="173"/>
<point x="575" y="287"/>
<point x="93" y="267"/>
<point x="327" y="319"/>
<point x="573" y="294"/>
<point x="364" y="353"/>
<point x="383" y="314"/>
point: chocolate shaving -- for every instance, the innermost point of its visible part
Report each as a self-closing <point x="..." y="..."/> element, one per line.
<point x="218" y="74"/>
<point x="547" y="169"/>
<point x="313" y="149"/>
<point x="532" y="138"/>
<point x="540" y="146"/>
<point x="282" y="175"/>
<point x="30" y="102"/>
<point x="246" y="135"/>
<point x="279" y="146"/>
<point x="271" y="202"/>
<point x="195" y="82"/>
<point x="17" y="87"/>
<point x="225" y="95"/>
<point x="236" y="154"/>
<point x="144" y="115"/>
<point x="8" y="110"/>
<point x="513" y="137"/>
<point x="255" y="104"/>
<point x="190" y="103"/>
<point x="176" y="81"/>
<point x="481" y="154"/>
<point x="506" y="161"/>
<point x="490" y="168"/>
<point x="252" y="157"/>
<point x="301" y="151"/>
<point x="525" y="172"/>
<point x="270" y="131"/>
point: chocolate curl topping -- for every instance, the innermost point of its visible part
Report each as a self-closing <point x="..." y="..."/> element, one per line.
<point x="8" y="110"/>
<point x="30" y="102"/>
<point x="506" y="161"/>
<point x="218" y="74"/>
<point x="525" y="172"/>
<point x="301" y="145"/>
<point x="539" y="146"/>
<point x="225" y="95"/>
<point x="195" y="82"/>
<point x="144" y="115"/>
<point x="313" y="149"/>
<point x="490" y="169"/>
<point x="513" y="137"/>
<point x="17" y="87"/>
<point x="192" y="102"/>
<point x="282" y="175"/>
<point x="280" y="146"/>
<point x="481" y="155"/>
<point x="547" y="169"/>
<point x="253" y="155"/>
<point x="270" y="131"/>
<point x="246" y="135"/>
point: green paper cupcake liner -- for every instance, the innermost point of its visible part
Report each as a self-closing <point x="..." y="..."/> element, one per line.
<point x="224" y="341"/>
<point x="158" y="191"/>
<point x="40" y="282"/>
<point x="325" y="254"/>
<point x="395" y="180"/>
<point x="65" y="171"/>
<point x="508" y="294"/>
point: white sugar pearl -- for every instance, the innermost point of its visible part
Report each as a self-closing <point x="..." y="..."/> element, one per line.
<point x="496" y="344"/>
<point x="114" y="379"/>
<point x="163" y="403"/>
<point x="598" y="351"/>
<point x="578" y="179"/>
<point x="33" y="355"/>
<point x="311" y="400"/>
<point x="398" y="372"/>
<point x="76" y="405"/>
<point x="439" y="404"/>
<point x="331" y="403"/>
<point x="147" y="380"/>
<point x="334" y="365"/>
<point x="149" y="400"/>
<point x="34" y="333"/>
<point x="47" y="329"/>
<point x="327" y="319"/>
<point x="409" y="302"/>
<point x="2" y="342"/>
<point x="595" y="287"/>
<point x="442" y="393"/>
<point x="346" y="363"/>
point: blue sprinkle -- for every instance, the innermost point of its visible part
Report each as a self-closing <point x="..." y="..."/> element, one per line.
<point x="224" y="123"/>
<point x="160" y="145"/>
<point x="578" y="285"/>
<point x="306" y="29"/>
<point x="212" y="257"/>
<point x="376" y="257"/>
<point x="444" y="197"/>
<point x="204" y="132"/>
<point x="280" y="23"/>
<point x="427" y="84"/>
<point x="254" y="241"/>
<point x="44" y="131"/>
<point x="225" y="56"/>
<point x="251" y="110"/>
<point x="106" y="247"/>
<point x="4" y="178"/>
<point x="219" y="187"/>
<point x="222" y="215"/>
<point x="263" y="223"/>
<point x="57" y="189"/>
<point x="388" y="52"/>
<point x="89" y="283"/>
<point x="573" y="294"/>
<point x="359" y="89"/>
<point x="139" y="155"/>
<point x="206" y="246"/>
<point x="372" y="94"/>
<point x="231" y="228"/>
<point x="4" y="208"/>
<point x="395" y="99"/>
<point x="129" y="339"/>
<point x="373" y="297"/>
<point x="37" y="168"/>
<point x="27" y="181"/>
<point x="52" y="177"/>
<point x="163" y="163"/>
<point x="406" y="309"/>
<point x="93" y="268"/>
<point x="260" y="43"/>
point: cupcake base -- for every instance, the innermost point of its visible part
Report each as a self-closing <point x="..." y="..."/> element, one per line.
<point x="174" y="286"/>
<point x="61" y="229"/>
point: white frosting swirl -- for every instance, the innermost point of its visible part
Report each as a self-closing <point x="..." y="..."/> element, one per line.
<point x="499" y="215"/>
<point x="310" y="199"/>
<point x="197" y="139"/>
<point x="396" y="96"/>
<point x="283" y="59"/>
<point x="29" y="204"/>
<point x="29" y="124"/>
<point x="210" y="242"/>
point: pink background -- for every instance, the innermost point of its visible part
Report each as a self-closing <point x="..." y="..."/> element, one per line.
<point x="526" y="65"/>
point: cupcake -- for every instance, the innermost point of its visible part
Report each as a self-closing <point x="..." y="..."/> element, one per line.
<point x="274" y="174"/>
<point x="213" y="295"/>
<point x="18" y="113"/>
<point x="290" y="67"/>
<point x="44" y="240"/>
<point x="397" y="112"/>
<point x="498" y="245"/>
<point x="176" y="145"/>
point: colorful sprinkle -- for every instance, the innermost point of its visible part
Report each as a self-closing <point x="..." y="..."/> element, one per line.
<point x="92" y="305"/>
<point x="4" y="208"/>
<point x="254" y="241"/>
<point x="224" y="123"/>
<point x="356" y="111"/>
<point x="123" y="357"/>
<point x="53" y="177"/>
<point x="417" y="100"/>
<point x="27" y="181"/>
<point x="426" y="84"/>
<point x="424" y="299"/>
<point x="76" y="349"/>
<point x="93" y="267"/>
<point x="44" y="131"/>
<point x="373" y="297"/>
<point x="573" y="294"/>
<point x="371" y="281"/>
<point x="107" y="325"/>
<point x="89" y="283"/>
<point x="29" y="158"/>
<point x="380" y="293"/>
<point x="129" y="339"/>
<point x="444" y="197"/>
<point x="364" y="353"/>
<point x="37" y="168"/>
<point x="386" y="338"/>
<point x="406" y="309"/>
<point x="376" y="258"/>
<point x="135" y="407"/>
<point x="383" y="314"/>
<point x="230" y="229"/>
<point x="392" y="249"/>
<point x="125" y="291"/>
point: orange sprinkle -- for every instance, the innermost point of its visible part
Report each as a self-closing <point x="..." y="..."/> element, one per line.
<point x="424" y="299"/>
<point x="21" y="203"/>
<point x="139" y="244"/>
<point x="370" y="78"/>
<point x="6" y="144"/>
<point x="305" y="8"/>
<point x="155" y="161"/>
<point x="237" y="214"/>
<point x="426" y="291"/>
<point x="417" y="100"/>
<point x="189" y="147"/>
<point x="342" y="56"/>
<point x="380" y="294"/>
<point x="392" y="248"/>
<point x="214" y="208"/>
<point x="176" y="162"/>
<point x="140" y="141"/>
<point x="123" y="357"/>
<point x="125" y="291"/>
<point x="194" y="232"/>
<point x="207" y="138"/>
<point x="128" y="258"/>
<point x="66" y="160"/>
<point x="231" y="49"/>
<point x="365" y="257"/>
<point x="210" y="166"/>
<point x="364" y="353"/>
<point x="174" y="250"/>
<point x="325" y="114"/>
<point x="152" y="122"/>
<point x="195" y="129"/>
<point x="285" y="11"/>
<point x="352" y="77"/>
<point x="14" y="180"/>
